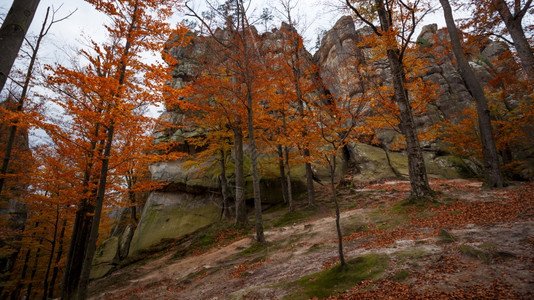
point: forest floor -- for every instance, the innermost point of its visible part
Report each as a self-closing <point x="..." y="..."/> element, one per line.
<point x="473" y="243"/>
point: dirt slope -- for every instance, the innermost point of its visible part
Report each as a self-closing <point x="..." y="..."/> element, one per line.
<point x="474" y="241"/>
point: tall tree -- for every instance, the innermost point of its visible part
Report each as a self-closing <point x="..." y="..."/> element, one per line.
<point x="491" y="158"/>
<point x="245" y="68"/>
<point x="12" y="34"/>
<point x="398" y="18"/>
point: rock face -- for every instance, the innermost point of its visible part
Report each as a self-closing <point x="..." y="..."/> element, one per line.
<point x="171" y="215"/>
<point x="341" y="50"/>
<point x="189" y="200"/>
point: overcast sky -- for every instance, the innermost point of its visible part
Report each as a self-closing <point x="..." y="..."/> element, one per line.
<point x="314" y="16"/>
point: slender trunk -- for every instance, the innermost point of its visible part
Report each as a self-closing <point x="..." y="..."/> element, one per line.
<point x="288" y="178"/>
<point x="20" y="283"/>
<point x="248" y="78"/>
<point x="12" y="34"/>
<point x="334" y="197"/>
<point x="131" y="197"/>
<point x="224" y="185"/>
<point x="309" y="178"/>
<point x="58" y="259"/>
<point x="397" y="174"/>
<point x="283" y="182"/>
<point x="88" y="259"/>
<point x="418" y="176"/>
<point x="297" y="74"/>
<point x="521" y="44"/>
<point x="77" y="248"/>
<point x="255" y="175"/>
<point x="20" y="106"/>
<point x="51" y="257"/>
<point x="489" y="151"/>
<point x="18" y="289"/>
<point x="34" y="270"/>
<point x="240" y="208"/>
<point x="80" y="231"/>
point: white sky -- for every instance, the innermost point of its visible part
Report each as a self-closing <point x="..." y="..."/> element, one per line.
<point x="314" y="16"/>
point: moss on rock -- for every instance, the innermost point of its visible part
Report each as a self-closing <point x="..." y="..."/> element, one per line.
<point x="172" y="215"/>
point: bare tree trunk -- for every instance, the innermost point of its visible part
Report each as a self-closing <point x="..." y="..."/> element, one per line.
<point x="91" y="247"/>
<point x="81" y="228"/>
<point x="288" y="178"/>
<point x="281" y="167"/>
<point x="34" y="270"/>
<point x="78" y="246"/>
<point x="309" y="179"/>
<point x="16" y="293"/>
<point x="332" y="164"/>
<point x="12" y="34"/>
<point x="58" y="259"/>
<point x="416" y="163"/>
<point x="513" y="25"/>
<point x="255" y="175"/>
<point x="491" y="158"/>
<point x="51" y="257"/>
<point x="240" y="209"/>
<point x="224" y="185"/>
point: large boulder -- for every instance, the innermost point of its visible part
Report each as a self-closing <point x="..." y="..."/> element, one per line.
<point x="172" y="215"/>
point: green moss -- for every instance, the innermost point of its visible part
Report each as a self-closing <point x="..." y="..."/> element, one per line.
<point x="220" y="233"/>
<point x="325" y="283"/>
<point x="401" y="275"/>
<point x="293" y="217"/>
<point x="446" y="237"/>
<point x="476" y="253"/>
<point x="159" y="223"/>
<point x="255" y="248"/>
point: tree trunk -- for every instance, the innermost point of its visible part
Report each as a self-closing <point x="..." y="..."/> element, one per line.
<point x="260" y="238"/>
<point x="51" y="257"/>
<point x="58" y="259"/>
<point x="91" y="245"/>
<point x="77" y="248"/>
<point x="81" y="227"/>
<point x="281" y="167"/>
<point x="18" y="289"/>
<point x="416" y="163"/>
<point x="338" y="216"/>
<point x="224" y="186"/>
<point x="12" y="34"/>
<point x="491" y="158"/>
<point x="521" y="44"/>
<point x="240" y="209"/>
<point x="309" y="179"/>
<point x="34" y="270"/>
<point x="288" y="178"/>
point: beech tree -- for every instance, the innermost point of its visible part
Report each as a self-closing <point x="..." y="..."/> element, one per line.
<point x="397" y="25"/>
<point x="102" y="98"/>
<point x="12" y="34"/>
<point x="491" y="158"/>
<point x="246" y="72"/>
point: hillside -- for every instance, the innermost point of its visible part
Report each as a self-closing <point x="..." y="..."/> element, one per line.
<point x="472" y="243"/>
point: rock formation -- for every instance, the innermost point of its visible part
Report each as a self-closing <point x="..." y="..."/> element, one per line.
<point x="190" y="199"/>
